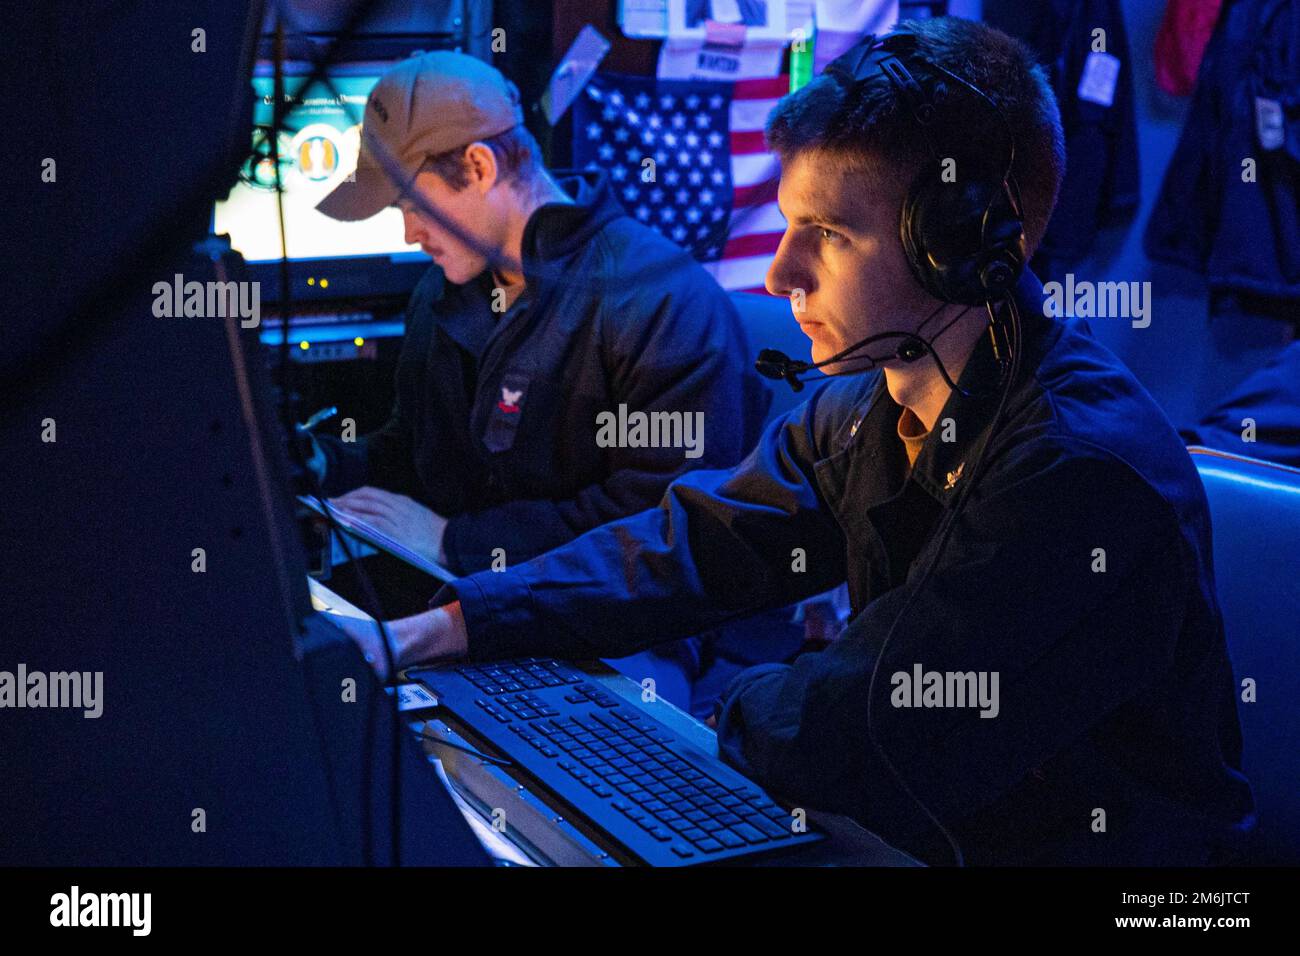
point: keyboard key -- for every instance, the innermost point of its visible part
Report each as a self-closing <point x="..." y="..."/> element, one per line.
<point x="766" y="826"/>
<point x="709" y="846"/>
<point x="749" y="834"/>
<point x="682" y="850"/>
<point x="728" y="839"/>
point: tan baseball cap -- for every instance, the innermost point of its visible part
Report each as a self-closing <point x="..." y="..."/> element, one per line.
<point x="423" y="106"/>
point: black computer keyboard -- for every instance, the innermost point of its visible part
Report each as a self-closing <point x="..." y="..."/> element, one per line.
<point x="649" y="795"/>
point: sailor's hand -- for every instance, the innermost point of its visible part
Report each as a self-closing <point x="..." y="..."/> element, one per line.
<point x="423" y="638"/>
<point x="401" y="518"/>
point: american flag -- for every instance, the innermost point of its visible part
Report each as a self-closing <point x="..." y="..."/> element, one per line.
<point x="713" y="190"/>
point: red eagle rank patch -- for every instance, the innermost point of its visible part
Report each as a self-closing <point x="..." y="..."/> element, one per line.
<point x="510" y="400"/>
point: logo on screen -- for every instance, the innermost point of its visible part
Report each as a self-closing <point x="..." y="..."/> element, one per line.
<point x="316" y="152"/>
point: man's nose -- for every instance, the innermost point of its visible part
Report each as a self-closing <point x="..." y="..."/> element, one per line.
<point x="785" y="274"/>
<point x="413" y="226"/>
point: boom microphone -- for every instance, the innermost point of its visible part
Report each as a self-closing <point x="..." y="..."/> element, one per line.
<point x="772" y="363"/>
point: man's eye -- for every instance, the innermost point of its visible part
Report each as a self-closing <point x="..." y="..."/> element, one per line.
<point x="829" y="235"/>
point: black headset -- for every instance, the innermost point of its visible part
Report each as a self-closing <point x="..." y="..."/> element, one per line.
<point x="964" y="239"/>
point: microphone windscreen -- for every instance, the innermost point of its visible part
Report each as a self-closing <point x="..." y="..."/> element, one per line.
<point x="772" y="364"/>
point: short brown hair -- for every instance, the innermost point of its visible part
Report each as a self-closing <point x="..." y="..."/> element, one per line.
<point x="517" y="154"/>
<point x="875" y="132"/>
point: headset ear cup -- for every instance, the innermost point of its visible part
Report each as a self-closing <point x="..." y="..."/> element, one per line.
<point x="954" y="253"/>
<point x="940" y="228"/>
<point x="918" y="259"/>
<point x="1005" y="249"/>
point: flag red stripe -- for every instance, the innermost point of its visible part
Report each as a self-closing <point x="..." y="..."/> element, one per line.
<point x="747" y="141"/>
<point x="758" y="244"/>
<point x="756" y="194"/>
<point x="762" y="88"/>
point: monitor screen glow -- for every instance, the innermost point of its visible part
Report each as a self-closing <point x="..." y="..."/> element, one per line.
<point x="318" y="150"/>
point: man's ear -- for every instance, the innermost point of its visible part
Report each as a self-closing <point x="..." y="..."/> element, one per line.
<point x="482" y="166"/>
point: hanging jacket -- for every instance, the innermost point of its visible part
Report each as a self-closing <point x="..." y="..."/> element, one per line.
<point x="1229" y="206"/>
<point x="1260" y="418"/>
<point x="1102" y="179"/>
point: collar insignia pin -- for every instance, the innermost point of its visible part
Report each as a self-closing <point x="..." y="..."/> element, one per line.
<point x="953" y="477"/>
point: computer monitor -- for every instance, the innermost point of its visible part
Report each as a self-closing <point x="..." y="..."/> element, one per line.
<point x="318" y="150"/>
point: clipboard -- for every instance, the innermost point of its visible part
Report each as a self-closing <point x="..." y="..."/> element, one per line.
<point x="364" y="531"/>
